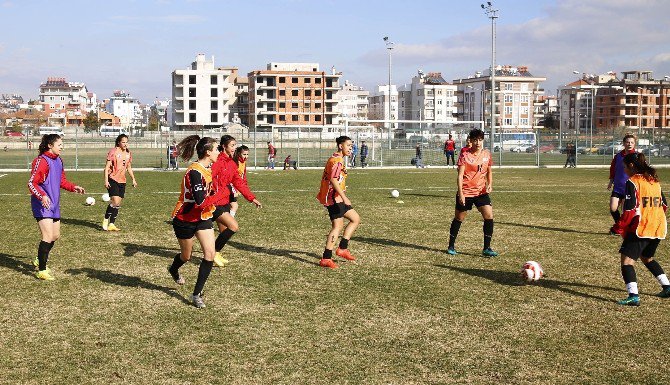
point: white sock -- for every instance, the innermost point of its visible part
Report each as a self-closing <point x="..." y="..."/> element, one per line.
<point x="632" y="288"/>
<point x="232" y="213"/>
<point x="663" y="280"/>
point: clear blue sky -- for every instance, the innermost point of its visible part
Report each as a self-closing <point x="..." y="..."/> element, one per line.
<point x="135" y="45"/>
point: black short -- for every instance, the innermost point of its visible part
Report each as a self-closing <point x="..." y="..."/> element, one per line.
<point x="220" y="210"/>
<point x="40" y="218"/>
<point x="337" y="210"/>
<point x="232" y="195"/>
<point x="187" y="230"/>
<point x="478" y="201"/>
<point x="116" y="189"/>
<point x="635" y="247"/>
<point x="618" y="195"/>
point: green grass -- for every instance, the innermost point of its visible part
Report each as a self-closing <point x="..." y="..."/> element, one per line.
<point x="406" y="313"/>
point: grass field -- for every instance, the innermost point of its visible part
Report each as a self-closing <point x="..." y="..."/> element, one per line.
<point x="406" y="313"/>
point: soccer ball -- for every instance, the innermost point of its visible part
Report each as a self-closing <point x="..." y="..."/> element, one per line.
<point x="532" y="271"/>
<point x="105" y="197"/>
<point x="395" y="193"/>
<point x="90" y="201"/>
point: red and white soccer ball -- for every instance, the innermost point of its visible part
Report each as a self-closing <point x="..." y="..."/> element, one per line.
<point x="532" y="271"/>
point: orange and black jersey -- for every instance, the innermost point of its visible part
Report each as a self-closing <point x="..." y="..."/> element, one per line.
<point x="643" y="209"/>
<point x="195" y="202"/>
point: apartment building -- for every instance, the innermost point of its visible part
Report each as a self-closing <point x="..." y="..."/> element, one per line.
<point x="59" y="95"/>
<point x="516" y="93"/>
<point x="352" y="103"/>
<point x="203" y="95"/>
<point x="379" y="100"/>
<point x="127" y="108"/>
<point x="429" y="98"/>
<point x="240" y="108"/>
<point x="292" y="94"/>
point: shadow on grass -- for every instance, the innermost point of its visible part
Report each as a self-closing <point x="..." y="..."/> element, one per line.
<point x="393" y="243"/>
<point x="82" y="223"/>
<point x="509" y="278"/>
<point x="559" y="229"/>
<point x="127" y="281"/>
<point x="427" y="195"/>
<point x="292" y="254"/>
<point x="16" y="263"/>
<point x="130" y="249"/>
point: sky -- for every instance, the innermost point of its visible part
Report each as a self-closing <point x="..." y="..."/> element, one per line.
<point x="134" y="45"/>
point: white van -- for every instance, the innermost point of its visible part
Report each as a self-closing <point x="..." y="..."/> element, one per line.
<point x="45" y="130"/>
<point x="112" y="131"/>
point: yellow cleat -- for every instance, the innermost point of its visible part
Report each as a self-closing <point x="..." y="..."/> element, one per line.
<point x="219" y="260"/>
<point x="44" y="275"/>
<point x="112" y="227"/>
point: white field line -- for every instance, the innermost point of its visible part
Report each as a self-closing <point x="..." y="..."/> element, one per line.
<point x="1" y="175"/>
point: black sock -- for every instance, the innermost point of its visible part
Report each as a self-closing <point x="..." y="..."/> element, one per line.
<point x="51" y="245"/>
<point x="615" y="215"/>
<point x="43" y="254"/>
<point x="109" y="211"/>
<point x="223" y="238"/>
<point x="176" y="264"/>
<point x="327" y="254"/>
<point x="655" y="268"/>
<point x="344" y="243"/>
<point x="203" y="274"/>
<point x="453" y="232"/>
<point x="488" y="233"/>
<point x="115" y="213"/>
<point x="628" y="274"/>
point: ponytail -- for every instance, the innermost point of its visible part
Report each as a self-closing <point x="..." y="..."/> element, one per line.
<point x="194" y="144"/>
<point x="47" y="139"/>
<point x="640" y="166"/>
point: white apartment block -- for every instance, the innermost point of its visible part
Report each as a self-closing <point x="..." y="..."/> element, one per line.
<point x="126" y="108"/>
<point x="517" y="90"/>
<point x="577" y="101"/>
<point x="57" y="94"/>
<point x="352" y="103"/>
<point x="429" y="98"/>
<point x="378" y="108"/>
<point x="203" y="95"/>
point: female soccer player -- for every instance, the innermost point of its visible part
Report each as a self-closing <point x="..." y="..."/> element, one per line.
<point x="618" y="178"/>
<point x="192" y="216"/>
<point x="226" y="177"/>
<point x="118" y="161"/>
<point x="475" y="182"/>
<point x="240" y="157"/>
<point x="46" y="179"/>
<point x="332" y="196"/>
<point x="642" y="225"/>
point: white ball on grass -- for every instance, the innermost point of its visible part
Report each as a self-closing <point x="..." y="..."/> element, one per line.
<point x="105" y="197"/>
<point x="90" y="201"/>
<point x="532" y="271"/>
<point x="395" y="193"/>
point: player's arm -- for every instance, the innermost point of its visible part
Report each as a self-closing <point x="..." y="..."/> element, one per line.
<point x="459" y="183"/>
<point x="612" y="168"/>
<point x="489" y="180"/>
<point x="69" y="186"/>
<point x="665" y="203"/>
<point x="629" y="209"/>
<point x="39" y="171"/>
<point x="108" y="170"/>
<point x="132" y="175"/>
<point x="242" y="186"/>
<point x="335" y="182"/>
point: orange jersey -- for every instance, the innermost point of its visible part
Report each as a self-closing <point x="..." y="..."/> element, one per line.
<point x="187" y="209"/>
<point x="476" y="168"/>
<point x="335" y="168"/>
<point x="649" y="208"/>
<point x="120" y="161"/>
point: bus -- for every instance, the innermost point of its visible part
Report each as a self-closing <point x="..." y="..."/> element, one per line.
<point x="112" y="131"/>
<point x="514" y="141"/>
<point x="45" y="130"/>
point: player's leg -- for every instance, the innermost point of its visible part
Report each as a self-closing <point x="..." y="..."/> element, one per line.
<point x="614" y="208"/>
<point x="655" y="268"/>
<point x="630" y="279"/>
<point x="336" y="228"/>
<point x="228" y="227"/>
<point x="206" y="239"/>
<point x="486" y="210"/>
<point x="343" y="248"/>
<point x="47" y="230"/>
<point x="460" y="212"/>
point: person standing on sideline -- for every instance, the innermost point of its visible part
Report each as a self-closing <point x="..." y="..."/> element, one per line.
<point x="642" y="226"/>
<point x="272" y="153"/>
<point x="119" y="160"/>
<point x="354" y="152"/>
<point x="364" y="154"/>
<point x="475" y="183"/>
<point x="172" y="156"/>
<point x="418" y="159"/>
<point x="47" y="177"/>
<point x="290" y="163"/>
<point x="449" y="149"/>
<point x="192" y="215"/>
<point x="571" y="153"/>
<point x="618" y="178"/>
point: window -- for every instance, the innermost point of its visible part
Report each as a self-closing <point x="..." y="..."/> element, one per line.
<point x="317" y="80"/>
<point x="508" y="98"/>
<point x="282" y="79"/>
<point x="191" y="118"/>
<point x="524" y="86"/>
<point x="306" y="118"/>
<point x="282" y="105"/>
<point x="191" y="92"/>
<point x="523" y="110"/>
<point x="214" y="104"/>
<point x="191" y="79"/>
<point x="191" y="105"/>
<point x="439" y="92"/>
<point x="523" y="121"/>
<point x="294" y="118"/>
<point x="294" y="80"/>
<point x="317" y="105"/>
<point x="308" y="80"/>
<point x="308" y="92"/>
<point x="525" y="98"/>
<point x="214" y="117"/>
<point x="213" y="79"/>
<point x="282" y="92"/>
<point x="306" y="105"/>
<point x="439" y="101"/>
<point x="294" y="93"/>
<point x="282" y="118"/>
<point x="214" y="92"/>
<point x="508" y="110"/>
<point x="317" y="92"/>
<point x="317" y="118"/>
<point x="294" y="105"/>
<point x="507" y="121"/>
<point x="508" y="86"/>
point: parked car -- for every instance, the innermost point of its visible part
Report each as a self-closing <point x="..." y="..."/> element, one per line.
<point x="13" y="133"/>
<point x="610" y="149"/>
<point x="520" y="148"/>
<point x="649" y="150"/>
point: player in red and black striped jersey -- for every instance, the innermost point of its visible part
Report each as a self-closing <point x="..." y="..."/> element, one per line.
<point x="192" y="216"/>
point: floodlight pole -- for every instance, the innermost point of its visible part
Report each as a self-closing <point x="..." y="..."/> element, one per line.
<point x="493" y="15"/>
<point x="389" y="46"/>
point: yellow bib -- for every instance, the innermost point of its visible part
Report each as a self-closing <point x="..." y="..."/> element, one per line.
<point x="652" y="221"/>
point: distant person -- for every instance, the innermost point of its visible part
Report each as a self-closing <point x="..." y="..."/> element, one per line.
<point x="119" y="160"/>
<point x="5" y="148"/>
<point x="272" y="153"/>
<point x="290" y="163"/>
<point x="642" y="225"/>
<point x="354" y="152"/>
<point x="47" y="177"/>
<point x="418" y="158"/>
<point x="571" y="153"/>
<point x="618" y="178"/>
<point x="364" y="154"/>
<point x="449" y="149"/>
<point x="172" y="156"/>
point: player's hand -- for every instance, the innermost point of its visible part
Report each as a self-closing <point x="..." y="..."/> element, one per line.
<point x="257" y="203"/>
<point x="489" y="188"/>
<point x="107" y="185"/>
<point x="79" y="190"/>
<point x="134" y="183"/>
<point x="346" y="201"/>
<point x="46" y="202"/>
<point x="609" y="186"/>
<point x="461" y="199"/>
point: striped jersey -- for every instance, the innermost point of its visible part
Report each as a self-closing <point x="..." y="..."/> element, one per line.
<point x="335" y="168"/>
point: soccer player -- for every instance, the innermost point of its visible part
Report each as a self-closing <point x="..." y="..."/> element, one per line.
<point x="272" y="153"/>
<point x="192" y="216"/>
<point x="225" y="175"/>
<point x="364" y="154"/>
<point x="475" y="183"/>
<point x="332" y="196"/>
<point x="618" y="178"/>
<point x="240" y="157"/>
<point x="119" y="160"/>
<point x="47" y="177"/>
<point x="449" y="149"/>
<point x="642" y="225"/>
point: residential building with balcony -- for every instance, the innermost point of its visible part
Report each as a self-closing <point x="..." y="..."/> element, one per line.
<point x="428" y="98"/>
<point x="379" y="101"/>
<point x="127" y="108"/>
<point x="58" y="95"/>
<point x="293" y="94"/>
<point x="516" y="93"/>
<point x="352" y="103"/>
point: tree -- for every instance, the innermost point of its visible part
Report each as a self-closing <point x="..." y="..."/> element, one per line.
<point x="154" y="120"/>
<point x="91" y="122"/>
